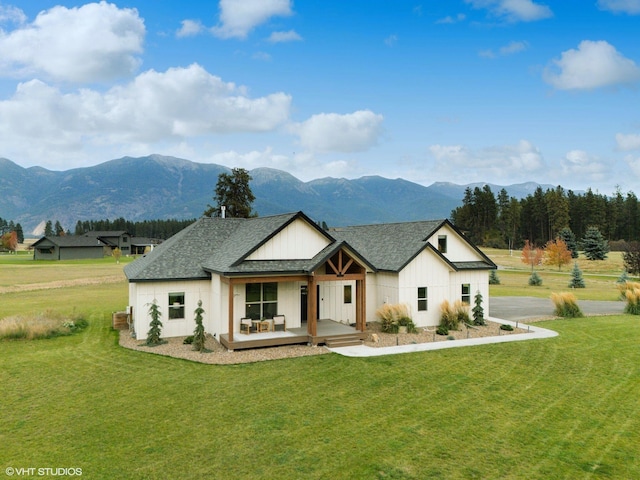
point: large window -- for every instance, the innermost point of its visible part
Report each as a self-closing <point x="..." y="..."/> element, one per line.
<point x="466" y="293"/>
<point x="176" y="306"/>
<point x="422" y="299"/>
<point x="261" y="300"/>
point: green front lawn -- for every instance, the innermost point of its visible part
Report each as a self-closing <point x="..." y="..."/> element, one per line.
<point x="565" y="407"/>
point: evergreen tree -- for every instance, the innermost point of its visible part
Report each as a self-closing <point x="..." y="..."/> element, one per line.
<point x="199" y="334"/>
<point x="570" y="240"/>
<point x="576" y="277"/>
<point x="155" y="326"/>
<point x="623" y="278"/>
<point x="59" y="231"/>
<point x="594" y="245"/>
<point x="234" y="193"/>
<point x="48" y="229"/>
<point x="493" y="278"/>
<point x="19" y="233"/>
<point x="535" y="280"/>
<point x="478" y="311"/>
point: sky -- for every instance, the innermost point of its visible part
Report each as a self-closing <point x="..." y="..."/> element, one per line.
<point x="461" y="91"/>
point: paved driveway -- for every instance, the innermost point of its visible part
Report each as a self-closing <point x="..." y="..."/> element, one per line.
<point x="521" y="308"/>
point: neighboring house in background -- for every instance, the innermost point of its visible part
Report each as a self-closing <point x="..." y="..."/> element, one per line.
<point x="67" y="247"/>
<point x="94" y="244"/>
<point x="287" y="265"/>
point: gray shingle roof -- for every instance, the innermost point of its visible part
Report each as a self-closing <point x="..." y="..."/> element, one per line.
<point x="388" y="246"/>
<point x="67" y="241"/>
<point x="221" y="245"/>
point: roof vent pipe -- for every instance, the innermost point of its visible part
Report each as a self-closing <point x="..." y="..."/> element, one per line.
<point x="222" y="211"/>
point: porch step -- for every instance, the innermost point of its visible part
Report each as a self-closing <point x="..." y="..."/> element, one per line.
<point x="343" y="341"/>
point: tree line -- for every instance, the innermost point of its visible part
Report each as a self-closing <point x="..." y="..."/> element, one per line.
<point x="157" y="229"/>
<point x="503" y="221"/>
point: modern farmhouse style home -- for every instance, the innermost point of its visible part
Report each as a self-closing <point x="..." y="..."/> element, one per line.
<point x="281" y="279"/>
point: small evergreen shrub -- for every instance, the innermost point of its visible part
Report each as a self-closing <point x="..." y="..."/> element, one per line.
<point x="478" y="311"/>
<point x="535" y="280"/>
<point x="623" y="278"/>
<point x="566" y="305"/>
<point x="155" y="326"/>
<point x="506" y="327"/>
<point x="493" y="278"/>
<point x="442" y="330"/>
<point x="188" y="340"/>
<point x="407" y="322"/>
<point x="199" y="336"/>
<point x="576" y="277"/>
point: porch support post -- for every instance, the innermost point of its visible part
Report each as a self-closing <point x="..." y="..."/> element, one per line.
<point x="231" y="285"/>
<point x="361" y="297"/>
<point x="312" y="306"/>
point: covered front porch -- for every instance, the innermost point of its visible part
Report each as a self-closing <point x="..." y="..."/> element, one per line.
<point x="328" y="332"/>
<point x="311" y="301"/>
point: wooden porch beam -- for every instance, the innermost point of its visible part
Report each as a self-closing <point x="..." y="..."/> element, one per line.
<point x="335" y="278"/>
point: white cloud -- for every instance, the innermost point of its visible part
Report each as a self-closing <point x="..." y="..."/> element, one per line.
<point x="281" y="37"/>
<point x="579" y="164"/>
<point x="10" y="14"/>
<point x="95" y="42"/>
<point x="190" y="28"/>
<point x="632" y="7"/>
<point x="506" y="162"/>
<point x="239" y="17"/>
<point x="592" y="65"/>
<point x="514" y="10"/>
<point x="634" y="164"/>
<point x="332" y="132"/>
<point x="509" y="49"/>
<point x="155" y="107"/>
<point x="391" y="40"/>
<point x="628" y="142"/>
<point x="451" y="20"/>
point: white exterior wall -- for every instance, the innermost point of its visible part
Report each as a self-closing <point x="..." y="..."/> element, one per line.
<point x="142" y="295"/>
<point x="458" y="250"/>
<point x="332" y="301"/>
<point x="426" y="270"/>
<point x="477" y="280"/>
<point x="297" y="241"/>
<point x="382" y="287"/>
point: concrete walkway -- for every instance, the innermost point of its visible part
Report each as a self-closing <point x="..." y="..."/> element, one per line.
<point x="507" y="310"/>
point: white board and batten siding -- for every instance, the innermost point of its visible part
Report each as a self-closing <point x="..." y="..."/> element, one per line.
<point x="425" y="270"/>
<point x="146" y="293"/>
<point x="296" y="241"/>
<point x="458" y="250"/>
<point x="332" y="302"/>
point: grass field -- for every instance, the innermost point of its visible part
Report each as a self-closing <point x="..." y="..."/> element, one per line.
<point x="565" y="407"/>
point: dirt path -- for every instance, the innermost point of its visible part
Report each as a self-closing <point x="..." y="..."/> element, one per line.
<point x="30" y="287"/>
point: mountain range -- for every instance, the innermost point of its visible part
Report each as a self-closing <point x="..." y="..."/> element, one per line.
<point x="160" y="187"/>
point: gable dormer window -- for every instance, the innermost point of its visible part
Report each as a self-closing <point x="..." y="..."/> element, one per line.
<point x="442" y="243"/>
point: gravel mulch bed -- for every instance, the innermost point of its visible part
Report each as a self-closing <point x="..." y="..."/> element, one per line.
<point x="219" y="355"/>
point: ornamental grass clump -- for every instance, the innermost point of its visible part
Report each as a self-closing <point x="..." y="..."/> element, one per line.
<point x="624" y="287"/>
<point x="452" y="315"/>
<point x="566" y="305"/>
<point x="45" y="325"/>
<point x="633" y="301"/>
<point x="393" y="316"/>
